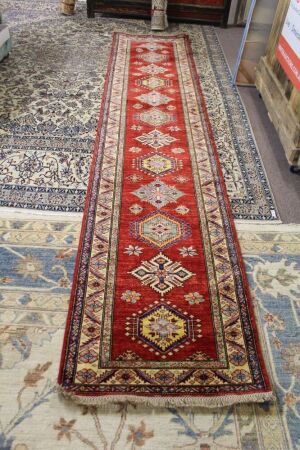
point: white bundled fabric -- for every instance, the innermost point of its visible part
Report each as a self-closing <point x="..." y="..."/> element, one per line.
<point x="159" y="21"/>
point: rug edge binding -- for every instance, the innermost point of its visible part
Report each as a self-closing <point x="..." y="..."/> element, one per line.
<point x="160" y="402"/>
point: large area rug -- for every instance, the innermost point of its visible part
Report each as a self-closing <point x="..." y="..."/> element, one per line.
<point x="50" y="88"/>
<point x="160" y="309"/>
<point x="37" y="260"/>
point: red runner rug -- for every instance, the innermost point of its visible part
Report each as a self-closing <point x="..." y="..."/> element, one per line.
<point x="160" y="308"/>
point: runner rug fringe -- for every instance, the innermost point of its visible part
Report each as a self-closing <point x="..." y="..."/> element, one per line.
<point x="160" y="309"/>
<point x="159" y="402"/>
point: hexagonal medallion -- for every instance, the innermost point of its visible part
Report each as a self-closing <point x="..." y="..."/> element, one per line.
<point x="163" y="327"/>
<point x="157" y="164"/>
<point x="153" y="82"/>
<point x="154" y="98"/>
<point x="155" y="117"/>
<point x="160" y="230"/>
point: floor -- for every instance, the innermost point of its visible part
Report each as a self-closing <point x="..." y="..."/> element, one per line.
<point x="285" y="185"/>
<point x="37" y="254"/>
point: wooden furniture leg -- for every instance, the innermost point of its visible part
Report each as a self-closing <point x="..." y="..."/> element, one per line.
<point x="90" y="9"/>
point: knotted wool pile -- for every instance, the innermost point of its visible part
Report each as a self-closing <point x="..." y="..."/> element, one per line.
<point x="160" y="308"/>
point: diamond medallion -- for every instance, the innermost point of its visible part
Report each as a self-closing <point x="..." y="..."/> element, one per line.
<point x="157" y="164"/>
<point x="154" y="98"/>
<point x="155" y="139"/>
<point x="152" y="69"/>
<point x="158" y="194"/>
<point x="152" y="46"/>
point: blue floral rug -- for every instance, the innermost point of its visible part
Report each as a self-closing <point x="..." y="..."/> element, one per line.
<point x="50" y="95"/>
<point x="36" y="265"/>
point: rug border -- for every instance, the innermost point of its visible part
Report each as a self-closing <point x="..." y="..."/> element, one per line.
<point x="85" y="213"/>
<point x="203" y="400"/>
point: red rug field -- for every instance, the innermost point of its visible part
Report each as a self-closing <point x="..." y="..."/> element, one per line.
<point x="160" y="309"/>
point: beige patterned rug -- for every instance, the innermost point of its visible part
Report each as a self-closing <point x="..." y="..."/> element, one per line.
<point x="36" y="262"/>
<point x="50" y="110"/>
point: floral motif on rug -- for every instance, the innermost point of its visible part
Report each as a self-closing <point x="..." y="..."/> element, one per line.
<point x="160" y="309"/>
<point x="48" y="127"/>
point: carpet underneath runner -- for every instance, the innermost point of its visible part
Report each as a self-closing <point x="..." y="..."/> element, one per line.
<point x="160" y="309"/>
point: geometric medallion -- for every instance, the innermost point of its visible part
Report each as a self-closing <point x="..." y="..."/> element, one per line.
<point x="163" y="327"/>
<point x="156" y="139"/>
<point x="161" y="274"/>
<point x="158" y="194"/>
<point x="157" y="164"/>
<point x="152" y="46"/>
<point x="160" y="230"/>
<point x="155" y="117"/>
<point x="153" y="82"/>
<point x="152" y="69"/>
<point x="153" y="57"/>
<point x="154" y="98"/>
